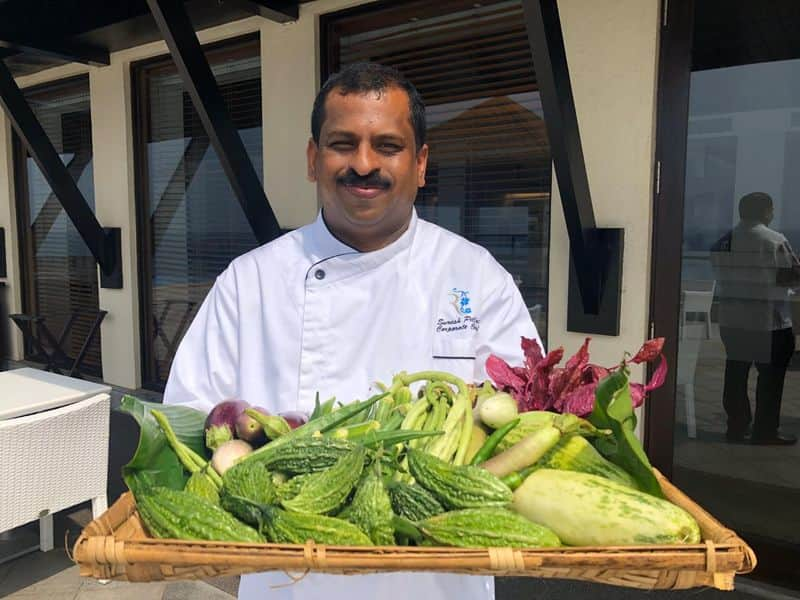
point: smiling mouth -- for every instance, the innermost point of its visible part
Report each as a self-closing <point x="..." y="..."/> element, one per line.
<point x="365" y="191"/>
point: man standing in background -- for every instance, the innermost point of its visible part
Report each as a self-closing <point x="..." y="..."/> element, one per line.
<point x="756" y="270"/>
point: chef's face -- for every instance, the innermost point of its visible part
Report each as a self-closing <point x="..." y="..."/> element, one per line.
<point x="366" y="166"/>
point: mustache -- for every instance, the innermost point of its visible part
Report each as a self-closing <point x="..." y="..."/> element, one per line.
<point x="371" y="180"/>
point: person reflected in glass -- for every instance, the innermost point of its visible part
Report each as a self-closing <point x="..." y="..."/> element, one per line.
<point x="756" y="272"/>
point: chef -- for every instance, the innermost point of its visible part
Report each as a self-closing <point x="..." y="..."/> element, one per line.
<point x="365" y="291"/>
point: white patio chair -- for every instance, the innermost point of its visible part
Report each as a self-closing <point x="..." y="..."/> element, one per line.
<point x="697" y="296"/>
<point x="52" y="460"/>
<point x="688" y="353"/>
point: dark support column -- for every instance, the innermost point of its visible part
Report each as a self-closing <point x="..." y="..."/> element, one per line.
<point x="195" y="72"/>
<point x="596" y="253"/>
<point x="61" y="50"/>
<point x="103" y="246"/>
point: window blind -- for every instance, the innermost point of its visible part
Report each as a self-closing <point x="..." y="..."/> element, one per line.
<point x="192" y="221"/>
<point x="60" y="273"/>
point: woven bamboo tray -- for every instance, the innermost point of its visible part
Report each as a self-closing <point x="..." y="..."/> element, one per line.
<point x="115" y="546"/>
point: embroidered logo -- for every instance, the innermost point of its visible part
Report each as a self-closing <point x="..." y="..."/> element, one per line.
<point x="460" y="301"/>
<point x="464" y="319"/>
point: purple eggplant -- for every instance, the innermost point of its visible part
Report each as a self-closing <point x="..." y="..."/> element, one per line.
<point x="221" y="422"/>
<point x="295" y="418"/>
<point x="250" y="430"/>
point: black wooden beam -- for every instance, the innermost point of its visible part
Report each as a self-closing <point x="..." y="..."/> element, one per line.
<point x="195" y="72"/>
<point x="62" y="50"/>
<point x="101" y="244"/>
<point x="280" y="11"/>
<point x="596" y="253"/>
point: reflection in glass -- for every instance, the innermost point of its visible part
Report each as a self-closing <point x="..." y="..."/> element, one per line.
<point x="738" y="399"/>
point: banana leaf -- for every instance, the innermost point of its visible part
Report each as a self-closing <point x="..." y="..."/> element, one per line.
<point x="613" y="409"/>
<point x="154" y="459"/>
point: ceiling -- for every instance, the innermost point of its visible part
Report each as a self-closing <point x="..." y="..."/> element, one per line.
<point x="39" y="34"/>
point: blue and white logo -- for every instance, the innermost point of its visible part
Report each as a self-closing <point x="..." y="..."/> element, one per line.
<point x="460" y="301"/>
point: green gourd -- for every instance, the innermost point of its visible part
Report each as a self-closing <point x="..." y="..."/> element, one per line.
<point x="287" y="527"/>
<point x="326" y="491"/>
<point x="487" y="527"/>
<point x="182" y="515"/>
<point x="462" y="486"/>
<point x="413" y="501"/>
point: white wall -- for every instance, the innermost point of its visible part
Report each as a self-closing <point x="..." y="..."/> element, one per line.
<point x="611" y="53"/>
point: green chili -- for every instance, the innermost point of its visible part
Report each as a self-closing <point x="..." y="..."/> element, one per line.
<point x="485" y="451"/>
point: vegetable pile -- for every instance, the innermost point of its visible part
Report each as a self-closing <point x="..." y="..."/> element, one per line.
<point x="448" y="464"/>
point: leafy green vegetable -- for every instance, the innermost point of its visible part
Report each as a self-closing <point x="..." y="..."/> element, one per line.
<point x="154" y="457"/>
<point x="613" y="409"/>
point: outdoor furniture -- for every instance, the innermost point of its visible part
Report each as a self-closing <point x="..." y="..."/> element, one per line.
<point x="53" y="448"/>
<point x="185" y="310"/>
<point x="697" y="297"/>
<point x="49" y="348"/>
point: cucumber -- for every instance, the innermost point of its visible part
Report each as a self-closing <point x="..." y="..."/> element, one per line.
<point x="589" y="510"/>
<point x="575" y="453"/>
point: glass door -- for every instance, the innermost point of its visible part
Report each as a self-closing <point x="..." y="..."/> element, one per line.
<point x="736" y="307"/>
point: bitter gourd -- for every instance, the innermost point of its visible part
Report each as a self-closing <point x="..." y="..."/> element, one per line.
<point x="287" y="527"/>
<point x="246" y="487"/>
<point x="200" y="484"/>
<point x="326" y="491"/>
<point x="487" y="527"/>
<point x="462" y="486"/>
<point x="182" y="515"/>
<point x="413" y="501"/>
<point x="371" y="509"/>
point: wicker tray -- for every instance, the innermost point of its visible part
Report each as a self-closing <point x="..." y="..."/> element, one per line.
<point x="115" y="546"/>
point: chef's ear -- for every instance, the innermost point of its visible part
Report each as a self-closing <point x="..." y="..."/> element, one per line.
<point x="422" y="164"/>
<point x="311" y="156"/>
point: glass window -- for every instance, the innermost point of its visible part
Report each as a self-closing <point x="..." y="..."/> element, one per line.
<point x="191" y="222"/>
<point x="489" y="169"/>
<point x="59" y="272"/>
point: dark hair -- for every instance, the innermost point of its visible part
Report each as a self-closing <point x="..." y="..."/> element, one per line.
<point x="364" y="77"/>
<point x="754" y="206"/>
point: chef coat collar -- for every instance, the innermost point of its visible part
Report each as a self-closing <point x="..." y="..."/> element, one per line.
<point x="324" y="245"/>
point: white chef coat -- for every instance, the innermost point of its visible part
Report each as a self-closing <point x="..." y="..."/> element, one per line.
<point x="755" y="268"/>
<point x="307" y="313"/>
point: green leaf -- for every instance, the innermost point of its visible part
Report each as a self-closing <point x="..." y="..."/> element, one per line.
<point x="153" y="456"/>
<point x="613" y="409"/>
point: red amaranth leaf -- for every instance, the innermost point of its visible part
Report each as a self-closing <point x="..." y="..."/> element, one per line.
<point x="639" y="391"/>
<point x="579" y="401"/>
<point x="573" y="371"/>
<point x="659" y="376"/>
<point x="649" y="351"/>
<point x="539" y="395"/>
<point x="532" y="351"/>
<point x="503" y="376"/>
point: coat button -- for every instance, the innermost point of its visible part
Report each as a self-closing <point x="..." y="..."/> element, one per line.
<point x="319" y="274"/>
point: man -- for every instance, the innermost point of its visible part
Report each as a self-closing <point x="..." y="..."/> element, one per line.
<point x="365" y="291"/>
<point x="755" y="268"/>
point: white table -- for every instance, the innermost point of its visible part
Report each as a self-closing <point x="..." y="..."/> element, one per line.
<point x="27" y="391"/>
<point x="53" y="448"/>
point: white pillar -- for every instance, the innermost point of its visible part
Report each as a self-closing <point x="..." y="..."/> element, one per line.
<point x="112" y="148"/>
